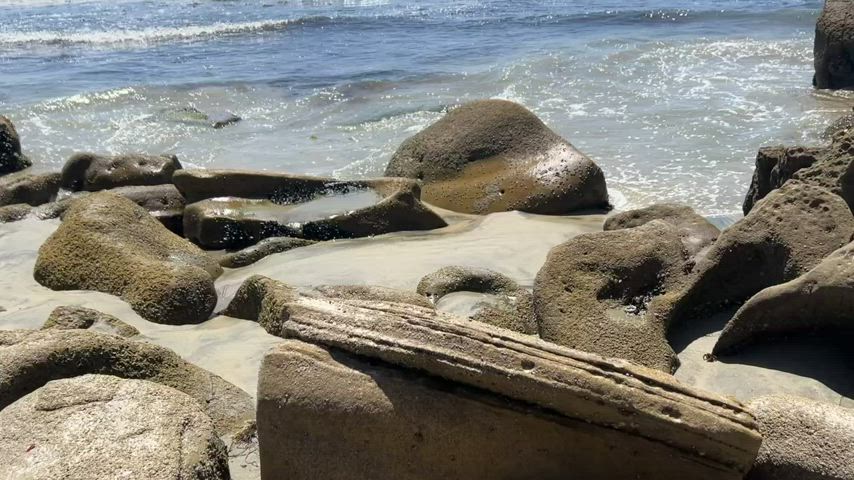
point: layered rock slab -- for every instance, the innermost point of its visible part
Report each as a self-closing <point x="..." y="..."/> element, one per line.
<point x="803" y="440"/>
<point x="29" y="359"/>
<point x="820" y="301"/>
<point x="104" y="427"/>
<point x="592" y="293"/>
<point x="575" y="411"/>
<point x="493" y="156"/>
<point x="109" y="244"/>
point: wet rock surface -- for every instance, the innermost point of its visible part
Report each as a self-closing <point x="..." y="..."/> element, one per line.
<point x="696" y="232"/>
<point x="108" y="243"/>
<point x="834" y="46"/>
<point x="11" y="157"/>
<point x="92" y="172"/>
<point x="28" y="188"/>
<point x="494" y="155"/>
<point x="82" y="318"/>
<point x="197" y="185"/>
<point x="264" y="248"/>
<point x="104" y="427"/>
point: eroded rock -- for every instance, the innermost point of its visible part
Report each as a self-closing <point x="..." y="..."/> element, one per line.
<point x="833" y="51"/>
<point x="109" y="244"/>
<point x="11" y="157"/>
<point x="494" y="156"/>
<point x="821" y="300"/>
<point x="372" y="292"/>
<point x="31" y="358"/>
<point x="775" y="166"/>
<point x="198" y="184"/>
<point x="81" y="318"/>
<point x="697" y="233"/>
<point x="105" y="427"/>
<point x="27" y="187"/>
<point x="457" y="278"/>
<point x="592" y="293"/>
<point x="264" y="248"/>
<point x="92" y="172"/>
<point x="803" y="440"/>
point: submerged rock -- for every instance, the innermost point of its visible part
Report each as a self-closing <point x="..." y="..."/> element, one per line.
<point x="102" y="427"/>
<point x="109" y="244"/>
<point x="11" y="157"/>
<point x="494" y="156"/>
<point x="13" y="213"/>
<point x="696" y="232"/>
<point x="339" y="210"/>
<point x="513" y="311"/>
<point x="92" y="172"/>
<point x="821" y="301"/>
<point x="81" y="318"/>
<point x="834" y="46"/>
<point x="264" y="248"/>
<point x="785" y="235"/>
<point x="592" y="293"/>
<point x="803" y="440"/>
<point x="27" y="187"/>
<point x="774" y="167"/>
<point x="411" y="393"/>
<point x="31" y="358"/>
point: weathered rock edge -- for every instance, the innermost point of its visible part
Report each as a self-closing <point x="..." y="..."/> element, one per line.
<point x="611" y="394"/>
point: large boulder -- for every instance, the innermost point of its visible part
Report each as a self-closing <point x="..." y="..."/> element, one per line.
<point x="11" y="158"/>
<point x="29" y="188"/>
<point x="198" y="184"/>
<point x="264" y="248"/>
<point x="774" y="167"/>
<point x="340" y="210"/>
<point x="697" y="233"/>
<point x="803" y="440"/>
<point x="102" y="427"/>
<point x="31" y="358"/>
<point x="109" y="244"/>
<point x="833" y="51"/>
<point x="493" y="156"/>
<point x="399" y="391"/>
<point x="821" y="300"/>
<point x="82" y="318"/>
<point x="592" y="293"/>
<point x="785" y="235"/>
<point x="92" y="172"/>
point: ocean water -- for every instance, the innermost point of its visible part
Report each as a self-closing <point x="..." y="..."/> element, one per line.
<point x="672" y="99"/>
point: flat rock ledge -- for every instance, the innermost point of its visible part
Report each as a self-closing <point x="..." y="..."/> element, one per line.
<point x="575" y="399"/>
<point x="102" y="427"/>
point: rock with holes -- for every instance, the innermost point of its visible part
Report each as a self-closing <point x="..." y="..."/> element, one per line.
<point x="92" y="172"/>
<point x="803" y="440"/>
<point x="398" y="391"/>
<point x="11" y="157"/>
<point x="264" y="248"/>
<point x="819" y="301"/>
<point x="834" y="170"/>
<point x="775" y="166"/>
<point x="109" y="244"/>
<point x="494" y="156"/>
<point x="834" y="46"/>
<point x="785" y="235"/>
<point x="31" y="358"/>
<point x="103" y="427"/>
<point x="839" y="126"/>
<point x="81" y="318"/>
<point x="29" y="188"/>
<point x="697" y="233"/>
<point x="592" y="293"/>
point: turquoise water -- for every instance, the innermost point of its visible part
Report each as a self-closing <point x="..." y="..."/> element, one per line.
<point x="672" y="99"/>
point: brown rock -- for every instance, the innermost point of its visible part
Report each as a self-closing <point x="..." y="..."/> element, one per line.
<point x="264" y="248"/>
<point x="11" y="158"/>
<point x="493" y="156"/>
<point x="109" y="244"/>
<point x="27" y="187"/>
<point x="371" y="292"/>
<point x="91" y="172"/>
<point x="198" y="184"/>
<point x="15" y="212"/>
<point x="31" y="358"/>
<point x="697" y="233"/>
<point x="834" y="46"/>
<point x="465" y="279"/>
<point x="81" y="318"/>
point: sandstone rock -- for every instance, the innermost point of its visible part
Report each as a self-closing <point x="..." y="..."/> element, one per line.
<point x="81" y="318"/>
<point x="839" y="126"/>
<point x="341" y="210"/>
<point x="493" y="156"/>
<point x="775" y="166"/>
<point x="785" y="235"/>
<point x="31" y="358"/>
<point x="465" y="279"/>
<point x="15" y="212"/>
<point x="264" y="248"/>
<point x="513" y="311"/>
<point x="411" y="393"/>
<point x="91" y="172"/>
<point x="834" y="46"/>
<point x="821" y="300"/>
<point x="27" y="187"/>
<point x="803" y="440"/>
<point x="103" y="427"/>
<point x="11" y="158"/>
<point x="371" y="292"/>
<point x="834" y="170"/>
<point x="697" y="233"/>
<point x="260" y="299"/>
<point x="109" y="244"/>
<point x="592" y="293"/>
<point x="197" y="185"/>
